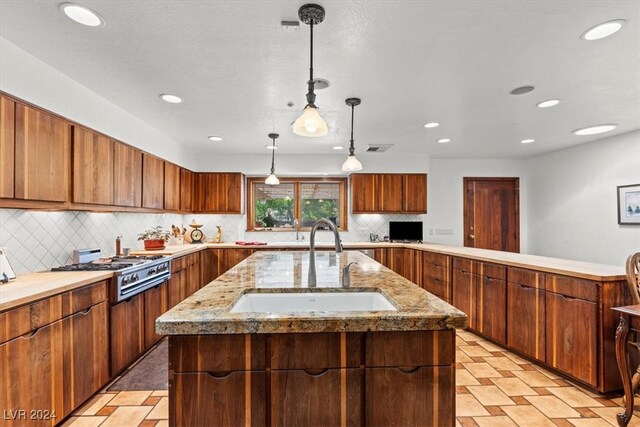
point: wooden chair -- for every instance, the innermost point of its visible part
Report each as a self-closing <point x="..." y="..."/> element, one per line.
<point x="633" y="281"/>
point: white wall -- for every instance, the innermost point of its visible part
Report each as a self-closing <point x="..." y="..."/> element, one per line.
<point x="573" y="200"/>
<point x="28" y="78"/>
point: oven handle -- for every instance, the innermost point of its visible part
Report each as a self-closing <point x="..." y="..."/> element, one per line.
<point x="139" y="287"/>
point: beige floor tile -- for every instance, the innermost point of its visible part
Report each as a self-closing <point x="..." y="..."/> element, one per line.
<point x="499" y="421"/>
<point x="463" y="377"/>
<point x="88" y="421"/>
<point x="95" y="404"/>
<point x="127" y="416"/>
<point x="163" y="423"/>
<point x="490" y="346"/>
<point x="468" y="406"/>
<point x="527" y="416"/>
<point x="461" y="357"/>
<point x="458" y="424"/>
<point x="513" y="387"/>
<point x="535" y="379"/>
<point x="490" y="395"/>
<point x="609" y="415"/>
<point x="553" y="407"/>
<point x="130" y="398"/>
<point x="160" y="411"/>
<point x="503" y="363"/>
<point x="460" y="341"/>
<point x="548" y="374"/>
<point x="574" y="397"/>
<point x="589" y="422"/>
<point x="517" y="359"/>
<point x="160" y="393"/>
<point x="482" y="370"/>
<point x="474" y="351"/>
<point x="468" y="336"/>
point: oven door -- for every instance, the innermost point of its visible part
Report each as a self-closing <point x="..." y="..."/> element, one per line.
<point x="135" y="288"/>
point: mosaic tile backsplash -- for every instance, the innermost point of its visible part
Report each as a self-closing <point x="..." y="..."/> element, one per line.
<point x="37" y="240"/>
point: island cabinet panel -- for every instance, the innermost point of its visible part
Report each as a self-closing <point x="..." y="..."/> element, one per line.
<point x="127" y="332"/>
<point x="414" y="190"/>
<point x="152" y="182"/>
<point x="409" y="348"/>
<point x="42" y="156"/>
<point x="171" y="187"/>
<point x="330" y="397"/>
<point x="127" y="176"/>
<point x="315" y="351"/>
<point x="7" y="146"/>
<point x="92" y="167"/>
<point x="218" y="399"/>
<point x="217" y="353"/>
<point x="186" y="190"/>
<point x="526" y="312"/>
<point x="436" y="272"/>
<point x="156" y="302"/>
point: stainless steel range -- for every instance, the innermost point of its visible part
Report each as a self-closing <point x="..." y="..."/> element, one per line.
<point x="132" y="274"/>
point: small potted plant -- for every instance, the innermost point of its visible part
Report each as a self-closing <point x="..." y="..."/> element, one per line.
<point x="154" y="238"/>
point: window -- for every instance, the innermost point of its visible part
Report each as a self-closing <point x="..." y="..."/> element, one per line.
<point x="297" y="203"/>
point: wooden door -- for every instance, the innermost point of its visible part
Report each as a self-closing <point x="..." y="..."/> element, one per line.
<point x="152" y="182"/>
<point x="492" y="213"/>
<point x="42" y="156"/>
<point x="414" y="193"/>
<point x="127" y="332"/>
<point x="92" y="167"/>
<point x="186" y="190"/>
<point x="7" y="146"/>
<point x="127" y="176"/>
<point x="363" y="193"/>
<point x="156" y="302"/>
<point x="171" y="186"/>
<point x="389" y="193"/>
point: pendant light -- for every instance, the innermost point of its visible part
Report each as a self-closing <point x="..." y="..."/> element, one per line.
<point x="352" y="164"/>
<point x="310" y="123"/>
<point x="272" y="179"/>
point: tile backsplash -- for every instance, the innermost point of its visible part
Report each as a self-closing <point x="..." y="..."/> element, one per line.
<point x="39" y="240"/>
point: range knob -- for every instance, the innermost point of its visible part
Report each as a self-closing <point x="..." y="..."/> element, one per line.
<point x="126" y="280"/>
<point x="153" y="271"/>
<point x="135" y="277"/>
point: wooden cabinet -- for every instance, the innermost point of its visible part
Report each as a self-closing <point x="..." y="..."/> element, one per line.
<point x="436" y="273"/>
<point x="152" y="182"/>
<point x="42" y="156"/>
<point x="526" y="312"/>
<point x="7" y="146"/>
<point x="388" y="193"/>
<point x="92" y="167"/>
<point x="127" y="332"/>
<point x="171" y="187"/>
<point x="156" y="302"/>
<point x="127" y="176"/>
<point x="208" y="266"/>
<point x="412" y="265"/>
<point x="219" y="193"/>
<point x="177" y="287"/>
<point x="394" y="260"/>
<point x="228" y="258"/>
<point x="186" y="278"/>
<point x="194" y="278"/>
<point x="186" y="190"/>
<point x="463" y="282"/>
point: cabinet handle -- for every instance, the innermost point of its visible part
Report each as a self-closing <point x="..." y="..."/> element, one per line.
<point x="30" y="333"/>
<point x="316" y="372"/>
<point x="408" y="369"/>
<point x="219" y="374"/>
<point x="568" y="298"/>
<point x="86" y="310"/>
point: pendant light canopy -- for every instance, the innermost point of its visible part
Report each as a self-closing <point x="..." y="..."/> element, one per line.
<point x="310" y="123"/>
<point x="272" y="179"/>
<point x="352" y="164"/>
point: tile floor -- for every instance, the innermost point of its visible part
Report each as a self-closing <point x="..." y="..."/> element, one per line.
<point x="494" y="388"/>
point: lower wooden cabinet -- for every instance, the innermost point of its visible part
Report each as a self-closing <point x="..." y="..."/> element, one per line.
<point x="127" y="332"/>
<point x="464" y="289"/>
<point x="491" y="307"/>
<point x="156" y="302"/>
<point x="436" y="275"/>
<point x="526" y="312"/>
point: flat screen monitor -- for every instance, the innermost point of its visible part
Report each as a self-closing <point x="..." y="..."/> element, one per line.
<point x="405" y="231"/>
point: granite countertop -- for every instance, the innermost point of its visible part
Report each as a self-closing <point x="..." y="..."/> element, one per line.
<point x="208" y="310"/>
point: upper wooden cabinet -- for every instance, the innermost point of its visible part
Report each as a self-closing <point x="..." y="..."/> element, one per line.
<point x="219" y="193"/>
<point x="152" y="182"/>
<point x="42" y="156"/>
<point x="171" y="186"/>
<point x="388" y="193"/>
<point x="92" y="167"/>
<point x="186" y="190"/>
<point x="127" y="176"/>
<point x="7" y="145"/>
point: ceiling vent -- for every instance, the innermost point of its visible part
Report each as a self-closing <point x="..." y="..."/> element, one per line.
<point x="378" y="148"/>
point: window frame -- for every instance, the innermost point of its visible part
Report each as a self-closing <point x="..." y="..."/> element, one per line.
<point x="297" y="208"/>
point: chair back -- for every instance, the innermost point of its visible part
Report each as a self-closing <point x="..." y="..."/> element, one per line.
<point x="633" y="276"/>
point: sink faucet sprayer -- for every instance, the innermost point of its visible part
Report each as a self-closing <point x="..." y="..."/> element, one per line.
<point x="312" y="247"/>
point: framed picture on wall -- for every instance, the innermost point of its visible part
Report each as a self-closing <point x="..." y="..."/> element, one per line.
<point x="629" y="204"/>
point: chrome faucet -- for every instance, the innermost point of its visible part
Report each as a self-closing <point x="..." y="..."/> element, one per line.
<point x="312" y="247"/>
<point x="346" y="275"/>
<point x="295" y="225"/>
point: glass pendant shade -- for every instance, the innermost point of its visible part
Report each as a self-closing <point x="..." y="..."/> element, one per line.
<point x="310" y="123"/>
<point x="272" y="179"/>
<point x="351" y="164"/>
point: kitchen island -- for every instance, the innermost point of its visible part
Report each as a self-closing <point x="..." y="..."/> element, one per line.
<point x="383" y="367"/>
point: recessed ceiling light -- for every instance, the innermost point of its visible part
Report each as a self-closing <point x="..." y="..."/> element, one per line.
<point x="594" y="130"/>
<point x="603" y="30"/>
<point x="173" y="99"/>
<point x="444" y="140"/>
<point x="338" y="147"/>
<point x="548" y="103"/>
<point x="271" y="147"/>
<point x="522" y="90"/>
<point x="527" y="141"/>
<point x="432" y="125"/>
<point x="82" y="15"/>
<point x="215" y="138"/>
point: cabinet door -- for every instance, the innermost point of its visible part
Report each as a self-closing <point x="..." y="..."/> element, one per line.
<point x="491" y="308"/>
<point x="171" y="186"/>
<point x="414" y="190"/>
<point x="177" y="287"/>
<point x="525" y="317"/>
<point x="92" y="167"/>
<point x="29" y="378"/>
<point x="127" y="332"/>
<point x="571" y="336"/>
<point x="199" y="192"/>
<point x="390" y="193"/>
<point x="231" y="257"/>
<point x="127" y="176"/>
<point x="156" y="302"/>
<point x="412" y="266"/>
<point x="296" y="397"/>
<point x="193" y="274"/>
<point x="86" y="343"/>
<point x="7" y="146"/>
<point x="464" y="294"/>
<point x="152" y="182"/>
<point x="395" y="260"/>
<point x="186" y="190"/>
<point x="438" y="287"/>
<point x="208" y="266"/>
<point x="419" y="396"/>
<point x="363" y="193"/>
<point x="232" y="197"/>
<point x="42" y="156"/>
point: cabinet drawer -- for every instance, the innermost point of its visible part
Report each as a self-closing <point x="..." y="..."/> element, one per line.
<point x="438" y="287"/>
<point x="217" y="353"/>
<point x="315" y="351"/>
<point x="432" y="258"/>
<point x="83" y="298"/>
<point x="436" y="271"/>
<point x="409" y="349"/>
<point x="464" y="265"/>
<point x="572" y="287"/>
<point x="492" y="271"/>
<point x="530" y="278"/>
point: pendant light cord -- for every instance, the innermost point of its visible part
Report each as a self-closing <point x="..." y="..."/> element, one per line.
<point x="311" y="96"/>
<point x="351" y="147"/>
<point x="273" y="156"/>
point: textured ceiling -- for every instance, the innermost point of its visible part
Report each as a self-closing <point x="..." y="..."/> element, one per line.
<point x="411" y="62"/>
